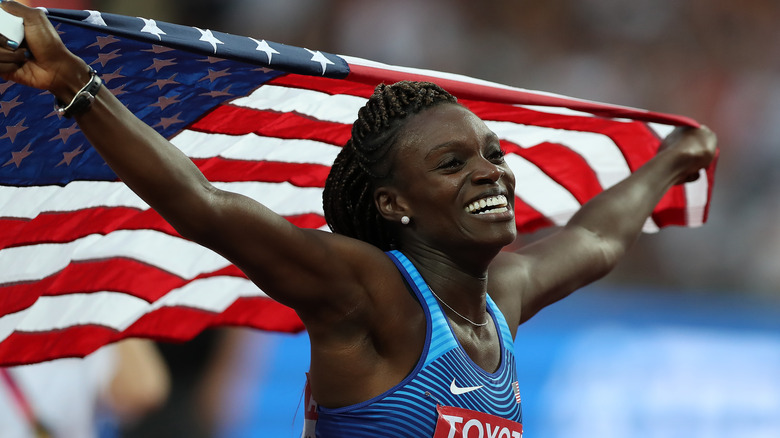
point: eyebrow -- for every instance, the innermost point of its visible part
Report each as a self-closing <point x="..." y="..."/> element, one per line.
<point x="489" y="137"/>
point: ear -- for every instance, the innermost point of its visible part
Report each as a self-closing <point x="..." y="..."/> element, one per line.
<point x="390" y="204"/>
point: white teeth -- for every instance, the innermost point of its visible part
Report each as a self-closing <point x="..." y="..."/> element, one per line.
<point x="477" y="207"/>
<point x="496" y="210"/>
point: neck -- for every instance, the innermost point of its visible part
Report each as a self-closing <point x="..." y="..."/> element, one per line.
<point x="462" y="285"/>
<point x="464" y="260"/>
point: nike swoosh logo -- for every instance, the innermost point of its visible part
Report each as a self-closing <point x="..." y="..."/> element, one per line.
<point x="455" y="389"/>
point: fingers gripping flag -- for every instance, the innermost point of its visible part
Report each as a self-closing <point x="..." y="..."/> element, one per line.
<point x="84" y="262"/>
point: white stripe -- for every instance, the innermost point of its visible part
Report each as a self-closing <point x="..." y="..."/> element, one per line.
<point x="283" y="198"/>
<point x="28" y="202"/>
<point x="571" y="112"/>
<point x="109" y="309"/>
<point x="252" y="147"/>
<point x="661" y="130"/>
<point x="178" y="256"/>
<point x="339" y="108"/>
<point x="696" y="200"/>
<point x="541" y="192"/>
<point x="213" y="294"/>
<point x="650" y="226"/>
<point x="119" y="310"/>
<point x="598" y="150"/>
<point x="438" y="74"/>
<point x="556" y="110"/>
<point x="9" y="322"/>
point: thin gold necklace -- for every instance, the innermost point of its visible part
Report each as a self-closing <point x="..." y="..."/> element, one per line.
<point x="458" y="313"/>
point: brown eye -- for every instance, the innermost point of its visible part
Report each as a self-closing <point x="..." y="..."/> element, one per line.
<point x="497" y="156"/>
<point x="451" y="163"/>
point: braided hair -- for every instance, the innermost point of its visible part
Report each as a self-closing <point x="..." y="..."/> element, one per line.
<point x="363" y="163"/>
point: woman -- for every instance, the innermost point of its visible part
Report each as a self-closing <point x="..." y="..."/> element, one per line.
<point x="412" y="342"/>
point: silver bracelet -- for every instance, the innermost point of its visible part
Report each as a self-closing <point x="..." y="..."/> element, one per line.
<point x="83" y="99"/>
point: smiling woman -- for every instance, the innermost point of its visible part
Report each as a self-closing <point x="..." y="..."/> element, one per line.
<point x="420" y="199"/>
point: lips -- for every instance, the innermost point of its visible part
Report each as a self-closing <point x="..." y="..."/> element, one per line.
<point x="488" y="205"/>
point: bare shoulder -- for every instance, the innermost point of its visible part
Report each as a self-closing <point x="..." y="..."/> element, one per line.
<point x="547" y="270"/>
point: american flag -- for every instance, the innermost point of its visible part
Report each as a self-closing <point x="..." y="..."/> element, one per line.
<point x="84" y="262"/>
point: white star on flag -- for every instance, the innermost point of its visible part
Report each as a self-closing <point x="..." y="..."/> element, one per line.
<point x="207" y="36"/>
<point x="317" y="56"/>
<point x="150" y="26"/>
<point x="263" y="46"/>
<point x="95" y="18"/>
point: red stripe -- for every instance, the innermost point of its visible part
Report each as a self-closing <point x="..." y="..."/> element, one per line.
<point x="21" y="348"/>
<point x="233" y="120"/>
<point x="116" y="274"/>
<point x="175" y="324"/>
<point x="672" y="210"/>
<point x="308" y="220"/>
<point x="181" y="323"/>
<point x="297" y="174"/>
<point x="69" y="226"/>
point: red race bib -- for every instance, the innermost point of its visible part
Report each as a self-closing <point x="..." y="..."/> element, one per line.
<point x="465" y="423"/>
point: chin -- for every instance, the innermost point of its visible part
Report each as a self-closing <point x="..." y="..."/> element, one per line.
<point x="503" y="238"/>
<point x="506" y="242"/>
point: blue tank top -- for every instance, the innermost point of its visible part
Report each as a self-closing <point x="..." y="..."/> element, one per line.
<point x="445" y="375"/>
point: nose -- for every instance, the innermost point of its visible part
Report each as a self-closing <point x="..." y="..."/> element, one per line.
<point x="487" y="172"/>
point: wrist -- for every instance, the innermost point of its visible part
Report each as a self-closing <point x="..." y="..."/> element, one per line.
<point x="82" y="98"/>
<point x="70" y="79"/>
<point x="682" y="165"/>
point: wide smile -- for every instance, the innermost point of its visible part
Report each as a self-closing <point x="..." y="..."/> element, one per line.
<point x="488" y="205"/>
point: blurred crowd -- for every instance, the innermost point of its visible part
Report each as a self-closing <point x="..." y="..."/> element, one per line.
<point x="713" y="60"/>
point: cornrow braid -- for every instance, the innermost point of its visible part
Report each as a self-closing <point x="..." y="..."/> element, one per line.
<point x="363" y="163"/>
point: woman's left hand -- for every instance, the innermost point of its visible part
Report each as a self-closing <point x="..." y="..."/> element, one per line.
<point x="696" y="148"/>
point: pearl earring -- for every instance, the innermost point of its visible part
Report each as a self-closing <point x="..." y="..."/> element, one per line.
<point x="405" y="220"/>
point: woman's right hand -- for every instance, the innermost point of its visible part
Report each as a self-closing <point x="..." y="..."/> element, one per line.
<point x="43" y="61"/>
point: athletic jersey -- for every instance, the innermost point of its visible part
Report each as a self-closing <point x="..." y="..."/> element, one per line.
<point x="445" y="385"/>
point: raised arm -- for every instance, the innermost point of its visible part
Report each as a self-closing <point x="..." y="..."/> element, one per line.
<point x="600" y="233"/>
<point x="290" y="264"/>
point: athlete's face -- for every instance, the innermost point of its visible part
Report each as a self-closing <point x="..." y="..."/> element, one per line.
<point x="451" y="175"/>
